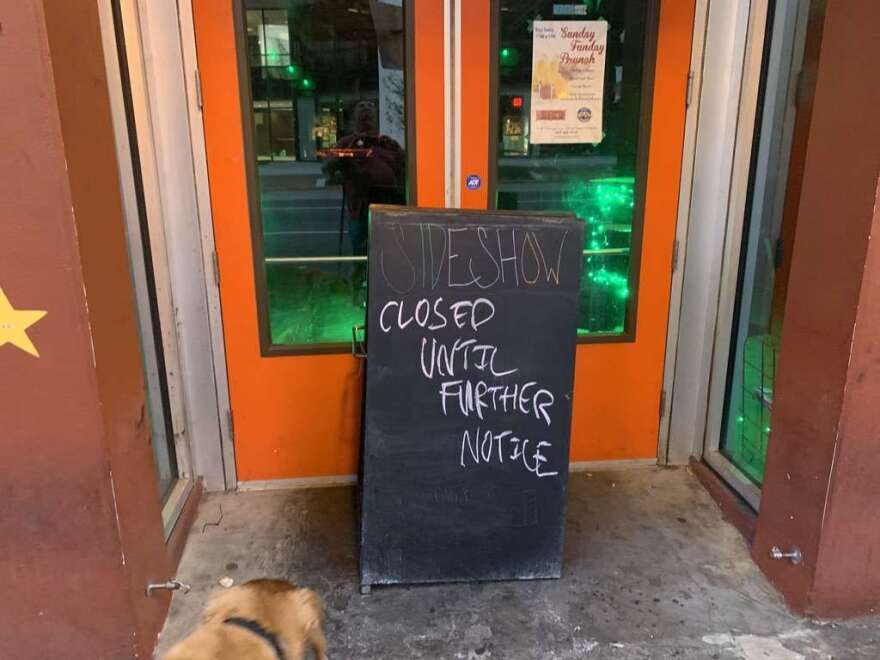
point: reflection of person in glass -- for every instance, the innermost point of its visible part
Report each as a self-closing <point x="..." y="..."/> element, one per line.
<point x="372" y="170"/>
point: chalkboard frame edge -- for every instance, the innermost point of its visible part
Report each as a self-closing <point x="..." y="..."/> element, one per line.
<point x="366" y="583"/>
<point x="455" y="581"/>
<point x="395" y="209"/>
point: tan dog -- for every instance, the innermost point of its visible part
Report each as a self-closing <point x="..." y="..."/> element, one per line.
<point x="259" y="620"/>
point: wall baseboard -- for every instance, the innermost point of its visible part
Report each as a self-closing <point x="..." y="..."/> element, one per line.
<point x="298" y="483"/>
<point x="600" y="466"/>
<point x="351" y="479"/>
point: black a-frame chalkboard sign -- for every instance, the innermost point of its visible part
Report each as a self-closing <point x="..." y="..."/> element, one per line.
<point x="471" y="329"/>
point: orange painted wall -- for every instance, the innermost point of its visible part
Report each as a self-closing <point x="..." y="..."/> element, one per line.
<point x="300" y="416"/>
<point x="294" y="416"/>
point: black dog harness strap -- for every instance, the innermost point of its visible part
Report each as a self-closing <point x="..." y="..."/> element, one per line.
<point x="259" y="631"/>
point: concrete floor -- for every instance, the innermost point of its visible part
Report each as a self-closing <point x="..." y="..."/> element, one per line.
<point x="651" y="571"/>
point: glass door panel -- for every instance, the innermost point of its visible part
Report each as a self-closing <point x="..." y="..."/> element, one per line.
<point x="600" y="180"/>
<point x="763" y="264"/>
<point x="326" y="83"/>
<point x="162" y="438"/>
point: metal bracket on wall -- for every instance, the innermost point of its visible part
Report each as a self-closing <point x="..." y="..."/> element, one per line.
<point x="200" y="100"/>
<point x="216" y="263"/>
<point x="800" y="88"/>
<point x="689" y="95"/>
<point x="358" y="342"/>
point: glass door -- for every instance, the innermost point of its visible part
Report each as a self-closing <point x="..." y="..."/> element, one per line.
<point x="329" y="138"/>
<point x="757" y="254"/>
<point x="588" y="113"/>
<point x="594" y="167"/>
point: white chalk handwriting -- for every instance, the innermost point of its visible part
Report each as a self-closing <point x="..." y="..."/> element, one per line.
<point x="500" y="256"/>
<point x="481" y="446"/>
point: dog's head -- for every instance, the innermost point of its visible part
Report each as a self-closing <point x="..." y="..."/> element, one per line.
<point x="292" y="616"/>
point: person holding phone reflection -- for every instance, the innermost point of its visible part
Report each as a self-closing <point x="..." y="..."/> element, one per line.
<point x="371" y="166"/>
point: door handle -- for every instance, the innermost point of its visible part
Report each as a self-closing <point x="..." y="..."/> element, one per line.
<point x="170" y="585"/>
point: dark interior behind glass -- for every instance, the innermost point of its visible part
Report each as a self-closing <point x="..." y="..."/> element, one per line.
<point x="329" y="132"/>
<point x="598" y="182"/>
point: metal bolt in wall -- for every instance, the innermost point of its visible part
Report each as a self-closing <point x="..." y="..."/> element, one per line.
<point x="794" y="555"/>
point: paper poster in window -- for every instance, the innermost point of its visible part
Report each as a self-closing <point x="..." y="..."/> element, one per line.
<point x="568" y="81"/>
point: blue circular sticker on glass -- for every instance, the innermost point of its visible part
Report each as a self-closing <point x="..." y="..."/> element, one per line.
<point x="473" y="182"/>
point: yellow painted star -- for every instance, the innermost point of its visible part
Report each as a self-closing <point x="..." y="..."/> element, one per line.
<point x="14" y="322"/>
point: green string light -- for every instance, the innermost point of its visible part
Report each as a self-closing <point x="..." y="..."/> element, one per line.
<point x="606" y="206"/>
<point x="508" y="56"/>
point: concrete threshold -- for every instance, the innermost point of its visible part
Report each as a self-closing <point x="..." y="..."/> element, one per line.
<point x="651" y="571"/>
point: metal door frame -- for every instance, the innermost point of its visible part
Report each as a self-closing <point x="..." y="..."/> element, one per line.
<point x="713" y="208"/>
<point x="159" y="41"/>
<point x="134" y="208"/>
<point x="665" y="445"/>
<point x="790" y="43"/>
<point x="711" y="135"/>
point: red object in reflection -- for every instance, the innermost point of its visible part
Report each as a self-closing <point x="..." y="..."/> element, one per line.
<point x="517" y="101"/>
<point x="345" y="153"/>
